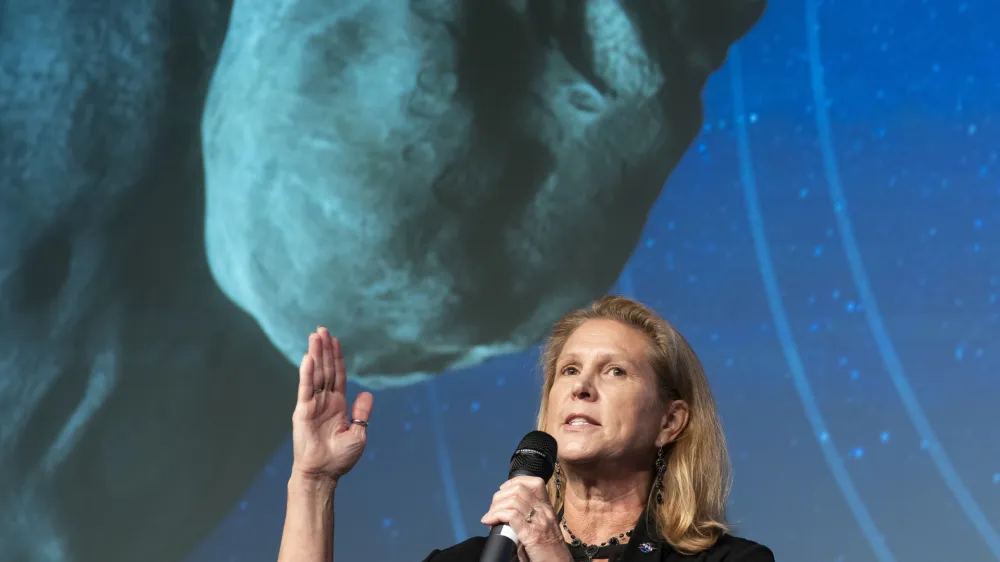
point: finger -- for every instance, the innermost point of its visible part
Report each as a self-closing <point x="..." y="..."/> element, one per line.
<point x="305" y="378"/>
<point x="528" y="481"/>
<point x="508" y="504"/>
<point x="362" y="409"/>
<point x="326" y="342"/>
<point x="537" y="488"/>
<point x="506" y="516"/>
<point x="517" y="496"/>
<point x="531" y="485"/>
<point x="339" y="372"/>
<point x="316" y="353"/>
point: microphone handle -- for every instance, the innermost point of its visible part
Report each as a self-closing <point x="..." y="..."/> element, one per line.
<point x="501" y="545"/>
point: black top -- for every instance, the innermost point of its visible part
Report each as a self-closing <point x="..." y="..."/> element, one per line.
<point x="640" y="548"/>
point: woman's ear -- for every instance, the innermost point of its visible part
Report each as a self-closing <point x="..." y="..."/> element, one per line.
<point x="674" y="421"/>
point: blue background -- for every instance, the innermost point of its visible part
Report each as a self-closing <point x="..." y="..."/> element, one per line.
<point x="830" y="247"/>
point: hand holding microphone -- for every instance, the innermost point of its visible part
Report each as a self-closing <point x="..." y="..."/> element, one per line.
<point x="521" y="514"/>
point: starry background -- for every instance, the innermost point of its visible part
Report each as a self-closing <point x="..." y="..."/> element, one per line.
<point x="830" y="247"/>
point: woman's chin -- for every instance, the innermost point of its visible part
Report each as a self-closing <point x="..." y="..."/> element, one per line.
<point x="574" y="450"/>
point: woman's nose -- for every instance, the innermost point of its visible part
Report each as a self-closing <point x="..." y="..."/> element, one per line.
<point x="583" y="389"/>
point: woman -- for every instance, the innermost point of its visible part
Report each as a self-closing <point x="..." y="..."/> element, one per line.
<point x="642" y="470"/>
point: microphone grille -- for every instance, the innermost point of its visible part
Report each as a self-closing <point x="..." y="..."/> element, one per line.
<point x="535" y="456"/>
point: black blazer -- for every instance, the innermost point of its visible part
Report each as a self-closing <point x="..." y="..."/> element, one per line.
<point x="727" y="549"/>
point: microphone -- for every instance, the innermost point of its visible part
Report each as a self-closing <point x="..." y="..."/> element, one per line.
<point x="535" y="456"/>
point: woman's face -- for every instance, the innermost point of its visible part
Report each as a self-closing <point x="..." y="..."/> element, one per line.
<point x="604" y="404"/>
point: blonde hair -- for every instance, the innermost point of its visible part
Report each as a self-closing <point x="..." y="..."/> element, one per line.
<point x="696" y="481"/>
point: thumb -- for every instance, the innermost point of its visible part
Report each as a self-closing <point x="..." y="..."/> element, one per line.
<point x="361" y="411"/>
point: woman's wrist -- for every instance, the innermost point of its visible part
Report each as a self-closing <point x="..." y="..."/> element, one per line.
<point x="311" y="482"/>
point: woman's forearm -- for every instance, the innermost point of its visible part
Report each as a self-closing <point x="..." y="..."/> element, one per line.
<point x="308" y="532"/>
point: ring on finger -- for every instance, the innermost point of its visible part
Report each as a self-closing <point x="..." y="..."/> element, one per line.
<point x="527" y="518"/>
<point x="317" y="390"/>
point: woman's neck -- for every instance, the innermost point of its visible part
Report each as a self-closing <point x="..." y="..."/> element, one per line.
<point x="596" y="510"/>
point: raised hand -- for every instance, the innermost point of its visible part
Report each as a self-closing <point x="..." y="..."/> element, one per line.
<point x="326" y="443"/>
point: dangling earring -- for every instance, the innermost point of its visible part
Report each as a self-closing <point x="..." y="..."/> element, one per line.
<point x="558" y="481"/>
<point x="661" y="466"/>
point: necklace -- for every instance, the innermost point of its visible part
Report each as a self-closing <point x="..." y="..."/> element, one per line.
<point x="591" y="550"/>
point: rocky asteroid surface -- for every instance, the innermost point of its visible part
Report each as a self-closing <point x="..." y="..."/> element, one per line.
<point x="189" y="187"/>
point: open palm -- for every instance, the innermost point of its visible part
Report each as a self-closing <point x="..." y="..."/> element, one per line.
<point x="325" y="441"/>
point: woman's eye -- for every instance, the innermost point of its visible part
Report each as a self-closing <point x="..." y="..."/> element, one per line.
<point x="569" y="371"/>
<point x="618" y="372"/>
